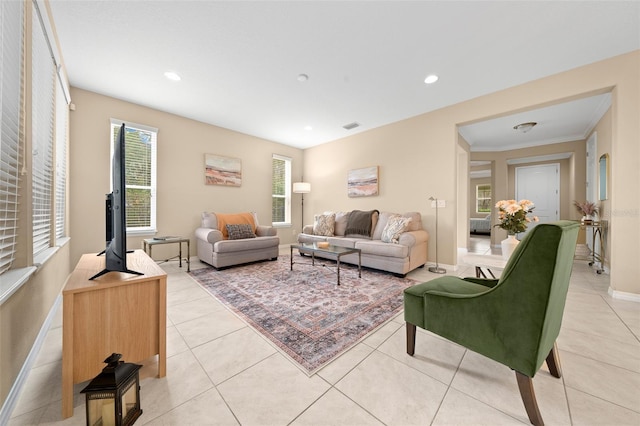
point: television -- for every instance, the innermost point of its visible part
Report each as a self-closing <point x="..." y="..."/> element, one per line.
<point x="115" y="252"/>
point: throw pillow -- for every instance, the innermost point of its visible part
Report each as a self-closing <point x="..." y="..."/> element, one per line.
<point x="323" y="224"/>
<point x="239" y="232"/>
<point x="396" y="225"/>
<point x="234" y="219"/>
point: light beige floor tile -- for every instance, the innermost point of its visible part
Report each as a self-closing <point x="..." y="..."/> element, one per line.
<point x="589" y="410"/>
<point x="185" y="295"/>
<point x="208" y="327"/>
<point x="460" y="409"/>
<point x="53" y="414"/>
<point x="392" y="391"/>
<point x="495" y="385"/>
<point x="193" y="309"/>
<point x="620" y="354"/>
<point x="333" y="408"/>
<point x="378" y="337"/>
<point x="434" y="356"/>
<point x="273" y="392"/>
<point x="28" y="419"/>
<point x="51" y="350"/>
<point x="205" y="409"/>
<point x="605" y="381"/>
<point x="185" y="379"/>
<point x="337" y="369"/>
<point x="175" y="342"/>
<point x="43" y="386"/>
<point x="594" y="319"/>
<point x="227" y="356"/>
<point x="180" y="282"/>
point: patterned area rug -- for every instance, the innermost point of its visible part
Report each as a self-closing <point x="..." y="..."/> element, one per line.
<point x="303" y="311"/>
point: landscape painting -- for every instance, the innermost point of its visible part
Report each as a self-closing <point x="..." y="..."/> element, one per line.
<point x="363" y="182"/>
<point x="221" y="170"/>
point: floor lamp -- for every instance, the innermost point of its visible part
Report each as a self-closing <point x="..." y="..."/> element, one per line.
<point x="436" y="269"/>
<point x="302" y="188"/>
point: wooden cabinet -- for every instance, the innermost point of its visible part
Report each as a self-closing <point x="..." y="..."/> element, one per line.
<point x="117" y="312"/>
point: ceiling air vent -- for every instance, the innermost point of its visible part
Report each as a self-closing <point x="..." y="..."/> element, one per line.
<point x="351" y="125"/>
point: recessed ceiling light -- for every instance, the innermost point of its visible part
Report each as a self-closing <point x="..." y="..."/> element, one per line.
<point x="303" y="77"/>
<point x="431" y="79"/>
<point x="172" y="75"/>
<point x="308" y="128"/>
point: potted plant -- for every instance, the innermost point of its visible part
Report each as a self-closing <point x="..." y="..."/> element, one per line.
<point x="514" y="218"/>
<point x="587" y="209"/>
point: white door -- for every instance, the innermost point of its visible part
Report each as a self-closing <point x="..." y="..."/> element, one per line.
<point x="541" y="185"/>
<point x="592" y="185"/>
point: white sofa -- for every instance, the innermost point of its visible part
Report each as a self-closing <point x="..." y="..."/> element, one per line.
<point x="215" y="248"/>
<point x="480" y="225"/>
<point x="401" y="257"/>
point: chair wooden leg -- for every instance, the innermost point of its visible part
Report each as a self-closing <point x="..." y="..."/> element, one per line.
<point x="525" y="384"/>
<point x="411" y="338"/>
<point x="553" y="362"/>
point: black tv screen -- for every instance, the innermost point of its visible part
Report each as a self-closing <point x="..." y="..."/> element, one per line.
<point x="115" y="210"/>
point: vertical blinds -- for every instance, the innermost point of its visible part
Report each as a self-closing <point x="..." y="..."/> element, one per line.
<point x="43" y="86"/>
<point x="11" y="84"/>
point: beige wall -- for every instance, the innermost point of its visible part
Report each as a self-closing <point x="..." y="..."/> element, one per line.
<point x="181" y="192"/>
<point x="417" y="158"/>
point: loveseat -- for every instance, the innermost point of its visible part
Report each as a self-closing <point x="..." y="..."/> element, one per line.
<point x="390" y="242"/>
<point x="231" y="239"/>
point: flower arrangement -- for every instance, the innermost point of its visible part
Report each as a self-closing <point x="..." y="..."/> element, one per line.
<point x="586" y="208"/>
<point x="513" y="215"/>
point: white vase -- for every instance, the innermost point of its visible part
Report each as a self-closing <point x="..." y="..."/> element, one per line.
<point x="508" y="246"/>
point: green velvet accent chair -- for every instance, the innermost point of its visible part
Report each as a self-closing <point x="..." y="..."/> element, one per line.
<point x="514" y="320"/>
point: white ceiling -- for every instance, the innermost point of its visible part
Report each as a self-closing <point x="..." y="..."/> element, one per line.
<point x="366" y="61"/>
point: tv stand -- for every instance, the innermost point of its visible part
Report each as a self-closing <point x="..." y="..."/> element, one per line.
<point x="122" y="313"/>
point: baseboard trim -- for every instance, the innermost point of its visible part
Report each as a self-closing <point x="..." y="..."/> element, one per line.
<point x="623" y="295"/>
<point x="14" y="393"/>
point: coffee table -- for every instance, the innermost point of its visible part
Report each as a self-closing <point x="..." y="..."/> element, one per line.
<point x="486" y="261"/>
<point x="332" y="251"/>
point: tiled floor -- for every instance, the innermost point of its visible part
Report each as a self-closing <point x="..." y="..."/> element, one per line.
<point x="222" y="372"/>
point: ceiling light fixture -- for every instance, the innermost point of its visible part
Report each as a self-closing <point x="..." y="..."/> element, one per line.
<point x="351" y="125"/>
<point x="303" y="77"/>
<point x="431" y="79"/>
<point x="524" y="127"/>
<point x="172" y="75"/>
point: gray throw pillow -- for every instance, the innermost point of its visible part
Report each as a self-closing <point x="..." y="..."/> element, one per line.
<point x="239" y="232"/>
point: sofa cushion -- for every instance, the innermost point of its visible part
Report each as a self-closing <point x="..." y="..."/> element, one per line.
<point x="361" y="223"/>
<point x="240" y="231"/>
<point x="341" y="223"/>
<point x="323" y="224"/>
<point x="309" y="238"/>
<point x="209" y="220"/>
<point x="416" y="221"/>
<point x="396" y="225"/>
<point x="235" y="219"/>
<point x="383" y="218"/>
<point x="343" y="241"/>
<point x="229" y="246"/>
<point x="378" y="248"/>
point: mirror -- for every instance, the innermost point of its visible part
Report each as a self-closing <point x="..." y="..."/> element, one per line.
<point x="603" y="173"/>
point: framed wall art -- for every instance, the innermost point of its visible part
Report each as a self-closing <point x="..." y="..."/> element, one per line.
<point x="362" y="182"/>
<point x="219" y="170"/>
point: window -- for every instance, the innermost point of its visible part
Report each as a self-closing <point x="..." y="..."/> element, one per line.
<point x="11" y="81"/>
<point x="62" y="113"/>
<point x="281" y="190"/>
<point x="42" y="119"/>
<point x="140" y="175"/>
<point x="483" y="198"/>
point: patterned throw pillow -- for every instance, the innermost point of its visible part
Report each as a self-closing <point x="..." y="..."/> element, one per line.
<point x="323" y="224"/>
<point x="238" y="232"/>
<point x="396" y="225"/>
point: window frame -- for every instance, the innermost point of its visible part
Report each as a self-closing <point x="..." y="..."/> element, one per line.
<point x="478" y="198"/>
<point x="287" y="190"/>
<point x="116" y="123"/>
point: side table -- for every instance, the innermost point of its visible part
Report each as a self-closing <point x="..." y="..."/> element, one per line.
<point x="150" y="242"/>
<point x="486" y="261"/>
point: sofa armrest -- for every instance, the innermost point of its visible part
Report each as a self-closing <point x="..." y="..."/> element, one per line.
<point x="266" y="231"/>
<point x="208" y="234"/>
<point x="411" y="238"/>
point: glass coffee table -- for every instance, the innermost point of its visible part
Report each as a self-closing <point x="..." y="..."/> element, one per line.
<point x="335" y="252"/>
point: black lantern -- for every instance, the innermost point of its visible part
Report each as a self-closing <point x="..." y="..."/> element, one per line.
<point x="113" y="396"/>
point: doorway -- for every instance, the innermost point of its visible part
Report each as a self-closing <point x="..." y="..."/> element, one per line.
<point x="541" y="185"/>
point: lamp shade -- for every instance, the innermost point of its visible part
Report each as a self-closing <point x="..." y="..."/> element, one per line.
<point x="301" y="187"/>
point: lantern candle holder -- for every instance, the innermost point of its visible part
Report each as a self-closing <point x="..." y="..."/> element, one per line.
<point x="113" y="396"/>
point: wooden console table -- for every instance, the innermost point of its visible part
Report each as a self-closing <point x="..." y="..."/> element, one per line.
<point x="118" y="312"/>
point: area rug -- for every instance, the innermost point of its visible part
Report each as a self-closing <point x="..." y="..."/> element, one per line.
<point x="304" y="312"/>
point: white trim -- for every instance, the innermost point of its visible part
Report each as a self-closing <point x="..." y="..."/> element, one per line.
<point x="118" y="123"/>
<point x="14" y="393"/>
<point x="623" y="295"/>
<point x="12" y="280"/>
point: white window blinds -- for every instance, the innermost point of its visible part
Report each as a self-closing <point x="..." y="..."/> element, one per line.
<point x="281" y="190"/>
<point x="43" y="86"/>
<point x="11" y="84"/>
<point x="62" y="114"/>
